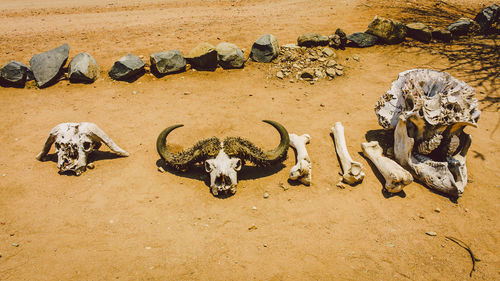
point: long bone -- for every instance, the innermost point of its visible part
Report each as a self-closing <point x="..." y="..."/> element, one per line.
<point x="353" y="171"/>
<point x="396" y="178"/>
<point x="302" y="169"/>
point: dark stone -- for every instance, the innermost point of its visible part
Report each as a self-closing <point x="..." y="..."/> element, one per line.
<point x="127" y="68"/>
<point x="460" y="27"/>
<point x="487" y="17"/>
<point x="343" y="38"/>
<point x="83" y="68"/>
<point x="14" y="74"/>
<point x="312" y="39"/>
<point x="167" y="62"/>
<point x="229" y="55"/>
<point x="265" y="49"/>
<point x="47" y="67"/>
<point x="389" y="31"/>
<point x="441" y="35"/>
<point x="203" y="57"/>
<point x="362" y="40"/>
<point x="419" y="31"/>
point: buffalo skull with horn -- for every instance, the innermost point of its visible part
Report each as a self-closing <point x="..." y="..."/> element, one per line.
<point x="224" y="159"/>
<point x="74" y="142"/>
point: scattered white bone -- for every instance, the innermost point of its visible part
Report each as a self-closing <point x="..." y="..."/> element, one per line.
<point x="353" y="171"/>
<point x="302" y="170"/>
<point x="429" y="110"/>
<point x="74" y="142"/>
<point x="396" y="177"/>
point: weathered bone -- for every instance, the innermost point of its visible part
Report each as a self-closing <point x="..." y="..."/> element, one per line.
<point x="396" y="178"/>
<point x="430" y="110"/>
<point x="302" y="170"/>
<point x="74" y="142"/>
<point x="224" y="159"/>
<point x="353" y="171"/>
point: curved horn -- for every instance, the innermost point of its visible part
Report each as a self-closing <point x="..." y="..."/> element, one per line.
<point x="180" y="161"/>
<point x="48" y="143"/>
<point x="96" y="132"/>
<point x="244" y="149"/>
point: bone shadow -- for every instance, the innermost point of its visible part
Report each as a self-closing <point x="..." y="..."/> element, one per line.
<point x="385" y="138"/>
<point x="198" y="172"/>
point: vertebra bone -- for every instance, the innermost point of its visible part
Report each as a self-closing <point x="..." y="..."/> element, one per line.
<point x="396" y="178"/>
<point x="302" y="170"/>
<point x="353" y="171"/>
<point x="74" y="142"/>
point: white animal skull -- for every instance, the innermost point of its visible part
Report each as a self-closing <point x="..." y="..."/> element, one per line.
<point x="429" y="110"/>
<point x="223" y="160"/>
<point x="74" y="142"/>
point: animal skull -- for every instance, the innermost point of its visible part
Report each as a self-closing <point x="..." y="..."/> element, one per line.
<point x="74" y="142"/>
<point x="223" y="160"/>
<point x="429" y="110"/>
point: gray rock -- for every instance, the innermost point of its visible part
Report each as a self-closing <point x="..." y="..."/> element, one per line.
<point x="167" y="62"/>
<point x="461" y="27"/>
<point x="419" y="31"/>
<point x="362" y="40"/>
<point x="487" y="17"/>
<point x="127" y="68"/>
<point x="47" y="67"/>
<point x="265" y="49"/>
<point x="389" y="31"/>
<point x="290" y="46"/>
<point x="441" y="35"/>
<point x="312" y="39"/>
<point x="14" y="74"/>
<point x="229" y="55"/>
<point x="203" y="57"/>
<point x="83" y="68"/>
<point x="328" y="52"/>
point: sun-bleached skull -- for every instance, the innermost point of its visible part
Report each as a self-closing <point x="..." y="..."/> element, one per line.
<point x="74" y="142"/>
<point x="223" y="160"/>
<point x="429" y="110"/>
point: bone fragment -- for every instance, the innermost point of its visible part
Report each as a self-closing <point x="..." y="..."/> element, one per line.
<point x="353" y="171"/>
<point x="302" y="170"/>
<point x="396" y="178"/>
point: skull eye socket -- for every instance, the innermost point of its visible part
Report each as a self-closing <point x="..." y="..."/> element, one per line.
<point x="237" y="165"/>
<point x="86" y="146"/>
<point x="208" y="166"/>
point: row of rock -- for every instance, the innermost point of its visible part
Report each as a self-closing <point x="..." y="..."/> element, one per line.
<point x="48" y="67"/>
<point x="388" y="31"/>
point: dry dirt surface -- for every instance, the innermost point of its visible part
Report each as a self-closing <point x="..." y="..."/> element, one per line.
<point x="125" y="220"/>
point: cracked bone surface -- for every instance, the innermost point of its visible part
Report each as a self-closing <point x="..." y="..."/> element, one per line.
<point x="302" y="169"/>
<point x="353" y="171"/>
<point x="223" y="159"/>
<point x="396" y="177"/>
<point x="74" y="142"/>
<point x="429" y="111"/>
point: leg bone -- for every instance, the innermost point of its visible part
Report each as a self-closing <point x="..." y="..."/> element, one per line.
<point x="302" y="170"/>
<point x="396" y="178"/>
<point x="353" y="171"/>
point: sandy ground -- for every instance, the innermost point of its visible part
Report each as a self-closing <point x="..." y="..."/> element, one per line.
<point x="125" y="220"/>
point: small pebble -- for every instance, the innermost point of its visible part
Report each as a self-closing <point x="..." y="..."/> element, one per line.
<point x="134" y="92"/>
<point x="3" y="175"/>
<point x="187" y="93"/>
<point x="161" y="170"/>
<point x="466" y="210"/>
<point x="148" y="248"/>
<point x="340" y="185"/>
<point x="265" y="245"/>
<point x="421" y="216"/>
<point x="254" y="208"/>
<point x="280" y="75"/>
<point x="322" y="105"/>
<point x="431" y="233"/>
<point x="253" y="227"/>
<point x="355" y="57"/>
<point x="266" y="195"/>
<point x="437" y="210"/>
<point x="15" y="244"/>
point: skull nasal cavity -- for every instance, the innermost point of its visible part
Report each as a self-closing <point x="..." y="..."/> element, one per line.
<point x="222" y="180"/>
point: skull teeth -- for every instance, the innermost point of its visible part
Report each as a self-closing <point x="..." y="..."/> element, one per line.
<point x="426" y="147"/>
